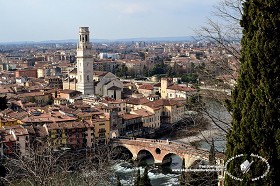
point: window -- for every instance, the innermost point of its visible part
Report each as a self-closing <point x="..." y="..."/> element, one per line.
<point x="88" y="78"/>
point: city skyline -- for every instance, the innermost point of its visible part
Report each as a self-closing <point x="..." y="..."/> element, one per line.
<point x="39" y="20"/>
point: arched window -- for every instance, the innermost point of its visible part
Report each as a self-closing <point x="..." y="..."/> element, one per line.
<point x="86" y="38"/>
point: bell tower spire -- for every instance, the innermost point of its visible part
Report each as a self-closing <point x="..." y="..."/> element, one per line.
<point x="84" y="63"/>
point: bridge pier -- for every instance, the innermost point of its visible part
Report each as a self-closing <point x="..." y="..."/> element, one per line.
<point x="158" y="162"/>
<point x="134" y="157"/>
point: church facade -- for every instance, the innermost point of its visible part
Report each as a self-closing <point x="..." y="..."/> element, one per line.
<point x="82" y="77"/>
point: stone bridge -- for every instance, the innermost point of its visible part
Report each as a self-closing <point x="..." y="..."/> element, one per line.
<point x="163" y="149"/>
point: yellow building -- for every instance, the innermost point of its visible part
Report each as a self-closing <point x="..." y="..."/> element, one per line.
<point x="60" y="101"/>
<point x="149" y="119"/>
<point x="102" y="129"/>
<point x="8" y="122"/>
<point x="172" y="110"/>
<point x="56" y="134"/>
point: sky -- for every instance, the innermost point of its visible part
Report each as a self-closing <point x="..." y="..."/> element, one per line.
<point x="39" y="20"/>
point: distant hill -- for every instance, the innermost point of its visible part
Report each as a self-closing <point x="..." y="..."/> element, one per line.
<point x="152" y="39"/>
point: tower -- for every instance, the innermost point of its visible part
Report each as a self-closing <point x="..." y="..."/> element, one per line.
<point x="165" y="82"/>
<point x="84" y="63"/>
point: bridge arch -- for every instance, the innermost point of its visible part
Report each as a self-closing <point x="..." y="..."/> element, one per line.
<point x="122" y="152"/>
<point x="167" y="158"/>
<point x="143" y="152"/>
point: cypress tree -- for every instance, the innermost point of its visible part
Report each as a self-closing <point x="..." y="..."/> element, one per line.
<point x="255" y="103"/>
<point x="138" y="177"/>
<point x="145" y="180"/>
<point x="183" y="174"/>
<point x="213" y="176"/>
<point x="212" y="154"/>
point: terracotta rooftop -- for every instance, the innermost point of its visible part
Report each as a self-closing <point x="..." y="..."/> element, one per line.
<point x="143" y="112"/>
<point x="137" y="101"/>
<point x="157" y="85"/>
<point x="31" y="94"/>
<point x="146" y="87"/>
<point x="129" y="116"/>
<point x="68" y="91"/>
<point x="99" y="73"/>
<point x="9" y="137"/>
<point x="164" y="102"/>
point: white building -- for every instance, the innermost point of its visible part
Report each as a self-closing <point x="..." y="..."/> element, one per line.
<point x="109" y="85"/>
<point x="84" y="63"/>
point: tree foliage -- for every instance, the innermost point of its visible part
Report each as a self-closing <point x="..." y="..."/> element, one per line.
<point x="255" y="101"/>
<point x="145" y="180"/>
<point x="46" y="167"/>
<point x="137" y="179"/>
<point x="183" y="174"/>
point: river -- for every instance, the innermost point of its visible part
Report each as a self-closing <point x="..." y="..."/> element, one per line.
<point x="163" y="175"/>
<point x="159" y="175"/>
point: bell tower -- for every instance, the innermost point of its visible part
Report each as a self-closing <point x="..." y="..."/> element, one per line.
<point x="84" y="63"/>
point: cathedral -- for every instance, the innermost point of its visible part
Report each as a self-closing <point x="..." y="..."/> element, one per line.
<point x="81" y="78"/>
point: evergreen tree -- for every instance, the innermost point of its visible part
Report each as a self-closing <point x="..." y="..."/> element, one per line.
<point x="145" y="180"/>
<point x="213" y="176"/>
<point x="183" y="174"/>
<point x="138" y="177"/>
<point x="212" y="154"/>
<point x="118" y="181"/>
<point x="255" y="103"/>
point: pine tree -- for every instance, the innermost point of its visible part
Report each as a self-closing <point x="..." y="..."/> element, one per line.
<point x="255" y="103"/>
<point x="118" y="181"/>
<point x="183" y="174"/>
<point x="145" y="180"/>
<point x="138" y="177"/>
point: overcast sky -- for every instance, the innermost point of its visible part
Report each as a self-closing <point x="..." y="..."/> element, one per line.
<point x="37" y="20"/>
